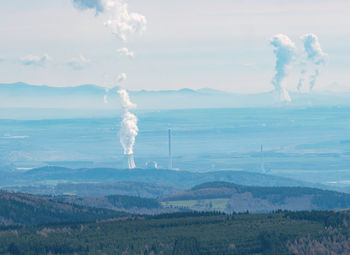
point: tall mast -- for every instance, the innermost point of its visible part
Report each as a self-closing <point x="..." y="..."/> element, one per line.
<point x="170" y="166"/>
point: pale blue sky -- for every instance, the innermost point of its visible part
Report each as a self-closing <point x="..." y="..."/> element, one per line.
<point x="220" y="44"/>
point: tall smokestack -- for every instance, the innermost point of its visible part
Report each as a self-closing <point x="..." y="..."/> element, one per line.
<point x="262" y="165"/>
<point x="170" y="166"/>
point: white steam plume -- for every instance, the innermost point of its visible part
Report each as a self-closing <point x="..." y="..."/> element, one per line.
<point x="121" y="77"/>
<point x="118" y="18"/>
<point x="284" y="50"/>
<point x="128" y="130"/>
<point x="122" y="23"/>
<point x="315" y="56"/>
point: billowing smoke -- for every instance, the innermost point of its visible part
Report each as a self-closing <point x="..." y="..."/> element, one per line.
<point x="128" y="130"/>
<point x="302" y="76"/>
<point x="284" y="50"/>
<point x="121" y="77"/>
<point x="316" y="58"/>
<point x="118" y="18"/>
<point x="122" y="23"/>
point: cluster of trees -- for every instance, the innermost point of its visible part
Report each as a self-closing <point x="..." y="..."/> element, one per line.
<point x="24" y="209"/>
<point x="128" y="202"/>
<point x="281" y="232"/>
<point x="321" y="199"/>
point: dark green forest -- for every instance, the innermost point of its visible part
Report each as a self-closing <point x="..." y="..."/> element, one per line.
<point x="281" y="232"/>
<point x="323" y="199"/>
<point x="128" y="202"/>
<point x="26" y="209"/>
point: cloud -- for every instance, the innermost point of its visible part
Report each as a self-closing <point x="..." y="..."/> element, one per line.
<point x="125" y="52"/>
<point x="32" y="60"/>
<point x="121" y="77"/>
<point x="78" y="63"/>
<point x="284" y="50"/>
<point x="118" y="18"/>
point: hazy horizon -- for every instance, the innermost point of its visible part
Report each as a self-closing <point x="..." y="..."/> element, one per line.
<point x="223" y="45"/>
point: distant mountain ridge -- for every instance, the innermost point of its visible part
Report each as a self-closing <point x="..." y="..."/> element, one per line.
<point x="179" y="179"/>
<point x="89" y="96"/>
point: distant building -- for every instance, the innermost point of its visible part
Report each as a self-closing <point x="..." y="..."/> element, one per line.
<point x="151" y="165"/>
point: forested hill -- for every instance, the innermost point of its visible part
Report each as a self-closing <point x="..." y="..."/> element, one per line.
<point x="182" y="179"/>
<point x="233" y="197"/>
<point x="25" y="209"/>
<point x="129" y="204"/>
<point x="212" y="233"/>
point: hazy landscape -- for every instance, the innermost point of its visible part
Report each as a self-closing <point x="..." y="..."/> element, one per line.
<point x="184" y="128"/>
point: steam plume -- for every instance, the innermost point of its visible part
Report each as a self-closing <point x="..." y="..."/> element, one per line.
<point x="302" y="76"/>
<point x="284" y="50"/>
<point x="121" y="77"/>
<point x="122" y="23"/>
<point x="118" y="18"/>
<point x="315" y="57"/>
<point x="129" y="129"/>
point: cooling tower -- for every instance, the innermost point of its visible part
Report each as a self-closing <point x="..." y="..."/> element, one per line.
<point x="129" y="161"/>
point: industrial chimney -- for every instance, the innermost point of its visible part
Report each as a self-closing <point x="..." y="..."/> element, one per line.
<point x="170" y="166"/>
<point x="262" y="165"/>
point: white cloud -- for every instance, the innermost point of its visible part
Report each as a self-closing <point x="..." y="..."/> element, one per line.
<point x="118" y="18"/>
<point x="126" y="52"/>
<point x="32" y="60"/>
<point x="78" y="63"/>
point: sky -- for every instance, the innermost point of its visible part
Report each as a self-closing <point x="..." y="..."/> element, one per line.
<point x="221" y="44"/>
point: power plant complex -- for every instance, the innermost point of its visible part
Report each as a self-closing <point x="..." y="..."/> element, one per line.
<point x="129" y="161"/>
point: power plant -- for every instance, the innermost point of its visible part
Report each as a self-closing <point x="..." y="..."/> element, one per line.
<point x="129" y="161"/>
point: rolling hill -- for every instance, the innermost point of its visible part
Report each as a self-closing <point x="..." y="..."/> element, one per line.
<point x="229" y="197"/>
<point x="26" y="209"/>
<point x="120" y="203"/>
<point x="172" y="178"/>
